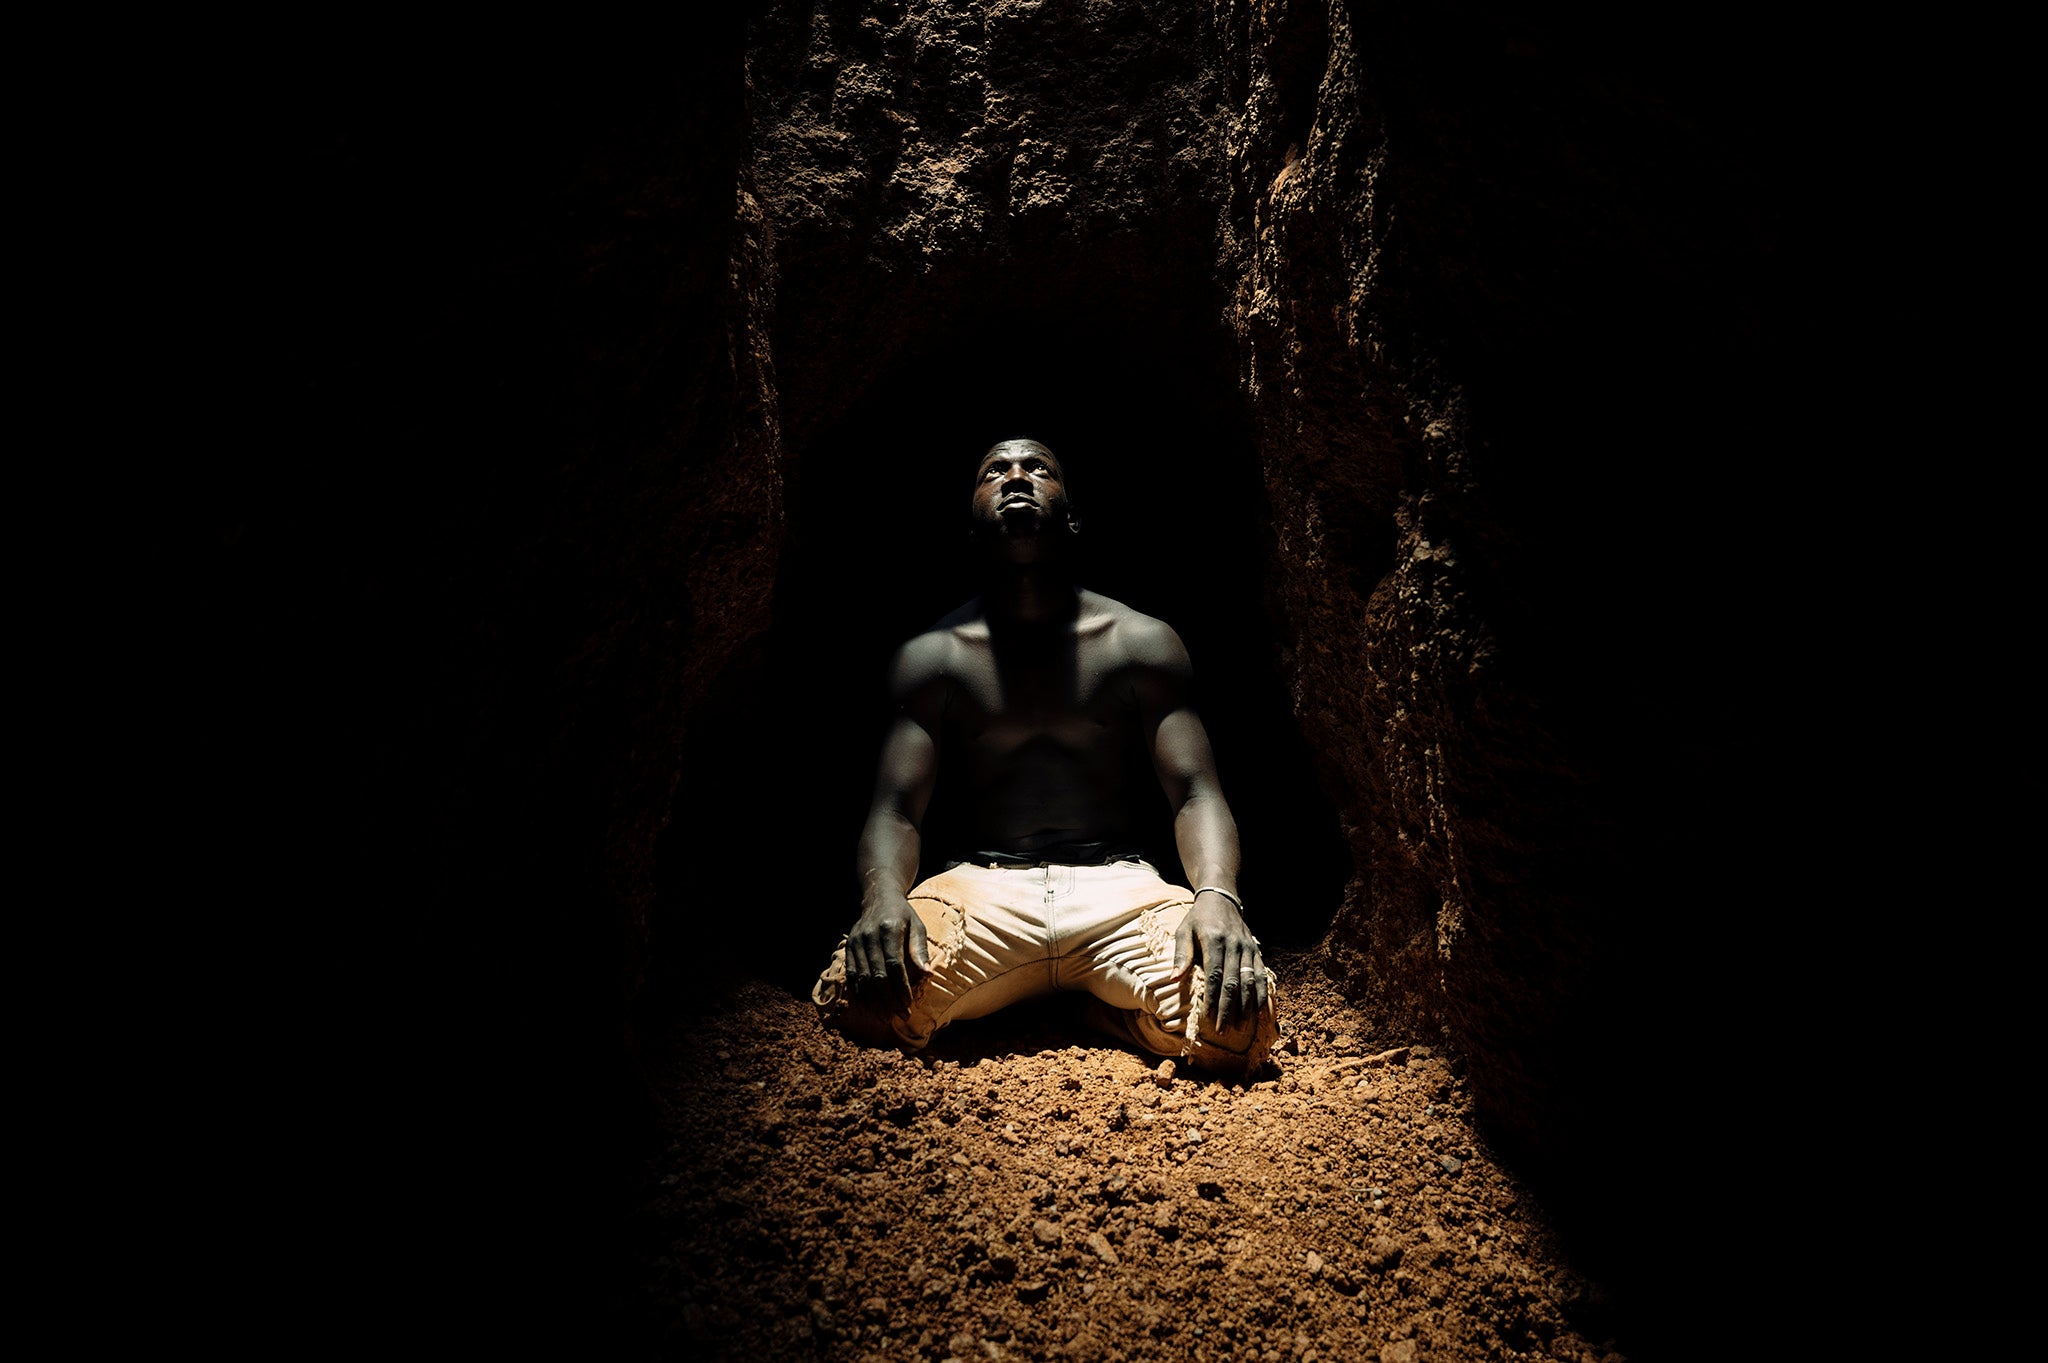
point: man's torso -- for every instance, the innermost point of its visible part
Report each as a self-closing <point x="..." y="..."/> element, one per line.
<point x="1041" y="730"/>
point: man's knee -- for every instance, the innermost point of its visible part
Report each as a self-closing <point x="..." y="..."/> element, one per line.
<point x="1240" y="1049"/>
<point x="859" y="1021"/>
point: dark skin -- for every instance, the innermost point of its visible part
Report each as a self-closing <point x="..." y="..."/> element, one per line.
<point x="1038" y="689"/>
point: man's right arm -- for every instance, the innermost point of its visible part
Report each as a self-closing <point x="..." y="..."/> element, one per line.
<point x="885" y="951"/>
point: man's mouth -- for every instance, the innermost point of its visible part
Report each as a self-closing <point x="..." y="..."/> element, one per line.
<point x="1016" y="499"/>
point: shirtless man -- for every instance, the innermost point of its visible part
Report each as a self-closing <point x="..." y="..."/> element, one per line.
<point x="1038" y="693"/>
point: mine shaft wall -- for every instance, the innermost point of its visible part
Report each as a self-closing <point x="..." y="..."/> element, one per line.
<point x="1494" y="293"/>
<point x="1489" y="287"/>
<point x="1481" y="304"/>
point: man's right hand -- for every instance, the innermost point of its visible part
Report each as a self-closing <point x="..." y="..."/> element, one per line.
<point x="885" y="953"/>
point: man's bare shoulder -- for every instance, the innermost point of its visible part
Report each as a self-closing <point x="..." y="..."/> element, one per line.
<point x="1145" y="640"/>
<point x="965" y="624"/>
<point x="936" y="656"/>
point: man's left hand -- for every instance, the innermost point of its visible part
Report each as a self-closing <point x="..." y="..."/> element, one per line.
<point x="1215" y="933"/>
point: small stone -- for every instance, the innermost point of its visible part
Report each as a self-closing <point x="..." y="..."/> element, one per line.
<point x="1045" y="1232"/>
<point x="1194" y="1136"/>
<point x="1315" y="1263"/>
<point x="1033" y="1291"/>
<point x="1400" y="1351"/>
<point x="1163" y="1076"/>
<point x="1451" y="1164"/>
<point x="1384" y="1253"/>
<point x="1098" y="1243"/>
<point x="875" y="1308"/>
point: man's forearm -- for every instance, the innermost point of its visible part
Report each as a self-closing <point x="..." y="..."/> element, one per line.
<point x="889" y="850"/>
<point x="1207" y="838"/>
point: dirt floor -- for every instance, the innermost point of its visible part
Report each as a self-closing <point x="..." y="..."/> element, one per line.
<point x="1025" y="1191"/>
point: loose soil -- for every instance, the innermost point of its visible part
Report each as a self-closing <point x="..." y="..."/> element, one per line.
<point x="1024" y="1191"/>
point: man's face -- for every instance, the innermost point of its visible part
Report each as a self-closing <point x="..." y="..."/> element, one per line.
<point x="1019" y="490"/>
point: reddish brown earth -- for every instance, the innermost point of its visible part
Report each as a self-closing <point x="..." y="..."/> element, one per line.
<point x="1024" y="1191"/>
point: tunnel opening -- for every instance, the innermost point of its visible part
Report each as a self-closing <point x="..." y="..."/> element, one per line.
<point x="1142" y="405"/>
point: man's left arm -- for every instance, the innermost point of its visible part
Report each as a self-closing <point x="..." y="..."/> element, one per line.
<point x="1214" y="932"/>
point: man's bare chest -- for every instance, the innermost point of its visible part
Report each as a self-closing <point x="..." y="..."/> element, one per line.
<point x="1075" y="704"/>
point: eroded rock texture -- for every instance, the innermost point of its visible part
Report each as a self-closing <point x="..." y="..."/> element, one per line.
<point x="1489" y="284"/>
<point x="1467" y="301"/>
<point x="1426" y="239"/>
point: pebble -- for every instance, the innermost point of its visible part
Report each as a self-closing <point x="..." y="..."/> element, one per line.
<point x="1098" y="1243"/>
<point x="1045" y="1232"/>
<point x="1163" y="1076"/>
<point x="1315" y="1263"/>
<point x="1452" y="1164"/>
<point x="1194" y="1136"/>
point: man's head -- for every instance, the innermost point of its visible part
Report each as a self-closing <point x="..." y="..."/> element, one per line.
<point x="1020" y="500"/>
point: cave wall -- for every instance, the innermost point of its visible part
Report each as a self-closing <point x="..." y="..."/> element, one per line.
<point x="1498" y="288"/>
<point x="1482" y="278"/>
<point x="506" y="499"/>
<point x="1484" y="275"/>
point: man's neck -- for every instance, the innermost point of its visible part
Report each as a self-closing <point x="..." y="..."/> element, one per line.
<point x="1030" y="594"/>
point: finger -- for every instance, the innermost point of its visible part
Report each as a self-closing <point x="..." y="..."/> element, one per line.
<point x="1228" y="1011"/>
<point x="1183" y="948"/>
<point x="860" y="965"/>
<point x="1212" y="962"/>
<point x="1264" y="985"/>
<point x="920" y="956"/>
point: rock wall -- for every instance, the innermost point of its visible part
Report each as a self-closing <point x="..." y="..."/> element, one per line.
<point x="1437" y="245"/>
<point x="511" y="500"/>
<point x="1495" y="288"/>
<point x="1482" y="292"/>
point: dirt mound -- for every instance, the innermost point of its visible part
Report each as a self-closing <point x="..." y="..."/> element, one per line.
<point x="1024" y="1191"/>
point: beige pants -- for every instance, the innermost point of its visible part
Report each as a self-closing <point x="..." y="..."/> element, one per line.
<point x="995" y="935"/>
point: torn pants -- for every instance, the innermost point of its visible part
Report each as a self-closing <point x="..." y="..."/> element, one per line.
<point x="997" y="935"/>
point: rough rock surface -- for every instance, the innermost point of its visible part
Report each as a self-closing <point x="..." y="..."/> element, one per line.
<point x="1418" y="234"/>
<point x="1012" y="1194"/>
<point x="581" y="332"/>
